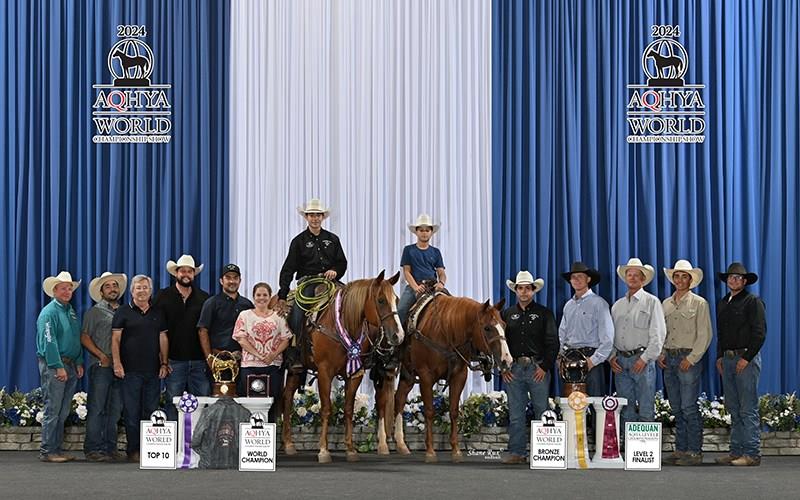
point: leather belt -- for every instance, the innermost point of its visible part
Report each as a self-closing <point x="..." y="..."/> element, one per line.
<point x="677" y="351"/>
<point x="586" y="351"/>
<point x="631" y="353"/>
<point x="527" y="360"/>
<point x="732" y="353"/>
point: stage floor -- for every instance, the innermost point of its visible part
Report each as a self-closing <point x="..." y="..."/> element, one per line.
<point x="300" y="477"/>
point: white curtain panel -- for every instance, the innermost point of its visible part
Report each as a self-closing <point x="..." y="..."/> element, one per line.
<point x="381" y="108"/>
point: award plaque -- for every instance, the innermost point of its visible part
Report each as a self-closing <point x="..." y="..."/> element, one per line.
<point x="225" y="369"/>
<point x="257" y="386"/>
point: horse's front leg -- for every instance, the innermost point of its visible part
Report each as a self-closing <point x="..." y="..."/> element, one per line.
<point x="426" y="390"/>
<point x="400" y="397"/>
<point x="384" y="399"/>
<point x="292" y="383"/>
<point x="457" y="381"/>
<point x="324" y="378"/>
<point x="350" y="388"/>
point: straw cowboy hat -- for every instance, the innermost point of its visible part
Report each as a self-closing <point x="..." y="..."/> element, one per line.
<point x="580" y="267"/>
<point x="738" y="268"/>
<point x="423" y="220"/>
<point x="685" y="266"/>
<point x="314" y="206"/>
<point x="184" y="261"/>
<point x="50" y="282"/>
<point x="634" y="263"/>
<point x="96" y="285"/>
<point x="525" y="278"/>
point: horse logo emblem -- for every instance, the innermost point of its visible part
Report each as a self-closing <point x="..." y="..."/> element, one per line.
<point x="130" y="60"/>
<point x="549" y="418"/>
<point x="158" y="418"/>
<point x="257" y="421"/>
<point x="665" y="62"/>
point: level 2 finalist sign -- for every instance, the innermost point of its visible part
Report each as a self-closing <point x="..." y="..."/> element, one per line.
<point x="643" y="446"/>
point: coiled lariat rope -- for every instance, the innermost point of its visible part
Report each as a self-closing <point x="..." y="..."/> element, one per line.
<point x="313" y="303"/>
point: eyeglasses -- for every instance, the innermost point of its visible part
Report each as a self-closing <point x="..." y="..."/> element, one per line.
<point x="735" y="277"/>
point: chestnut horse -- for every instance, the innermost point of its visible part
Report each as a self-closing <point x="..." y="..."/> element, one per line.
<point x="368" y="312"/>
<point x="449" y="333"/>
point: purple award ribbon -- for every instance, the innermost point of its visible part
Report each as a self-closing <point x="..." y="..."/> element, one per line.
<point x="353" y="347"/>
<point x="187" y="405"/>
<point x="610" y="442"/>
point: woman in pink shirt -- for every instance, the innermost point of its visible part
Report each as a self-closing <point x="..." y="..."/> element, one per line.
<point x="263" y="335"/>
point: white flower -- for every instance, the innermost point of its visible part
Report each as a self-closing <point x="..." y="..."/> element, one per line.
<point x="81" y="411"/>
<point x="23" y="422"/>
<point x="80" y="398"/>
<point x="315" y="408"/>
<point x="301" y="412"/>
<point x="362" y="402"/>
<point x="40" y="417"/>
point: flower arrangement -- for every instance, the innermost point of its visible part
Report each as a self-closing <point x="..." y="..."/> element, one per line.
<point x="307" y="408"/>
<point x="663" y="410"/>
<point x="713" y="412"/>
<point x="414" y="411"/>
<point x="780" y="412"/>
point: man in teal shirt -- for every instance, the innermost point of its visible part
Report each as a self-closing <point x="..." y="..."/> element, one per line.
<point x="58" y="347"/>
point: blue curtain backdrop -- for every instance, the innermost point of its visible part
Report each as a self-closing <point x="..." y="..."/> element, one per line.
<point x="69" y="204"/>
<point x="567" y="186"/>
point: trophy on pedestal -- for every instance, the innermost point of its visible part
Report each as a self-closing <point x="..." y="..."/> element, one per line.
<point x="573" y="368"/>
<point x="225" y="369"/>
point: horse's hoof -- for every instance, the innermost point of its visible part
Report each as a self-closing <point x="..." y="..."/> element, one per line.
<point x="383" y="450"/>
<point x="403" y="450"/>
<point x="430" y="458"/>
<point x="290" y="449"/>
<point x="324" y="457"/>
<point x="352" y="456"/>
<point x="457" y="458"/>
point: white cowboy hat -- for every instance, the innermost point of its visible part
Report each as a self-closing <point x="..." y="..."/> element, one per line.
<point x="525" y="278"/>
<point x="96" y="285"/>
<point x="314" y="206"/>
<point x="185" y="260"/>
<point x="634" y="263"/>
<point x="685" y="266"/>
<point x="423" y="220"/>
<point x="63" y="277"/>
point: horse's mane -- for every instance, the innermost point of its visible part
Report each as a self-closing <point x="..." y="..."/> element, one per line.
<point x="355" y="295"/>
<point x="449" y="316"/>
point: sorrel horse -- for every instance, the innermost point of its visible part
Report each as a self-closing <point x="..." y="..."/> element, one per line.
<point x="449" y="333"/>
<point x="366" y="312"/>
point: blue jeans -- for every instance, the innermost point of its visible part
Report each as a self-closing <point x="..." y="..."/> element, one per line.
<point x="741" y="401"/>
<point x="140" y="393"/>
<point x="636" y="387"/>
<point x="57" y="405"/>
<point x="520" y="391"/>
<point x="191" y="376"/>
<point x="407" y="300"/>
<point x="104" y="410"/>
<point x="683" y="389"/>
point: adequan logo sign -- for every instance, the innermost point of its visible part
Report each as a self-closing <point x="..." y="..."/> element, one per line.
<point x="132" y="109"/>
<point x="666" y="109"/>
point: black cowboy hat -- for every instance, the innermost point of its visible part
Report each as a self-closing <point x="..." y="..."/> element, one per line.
<point x="738" y="268"/>
<point x="580" y="267"/>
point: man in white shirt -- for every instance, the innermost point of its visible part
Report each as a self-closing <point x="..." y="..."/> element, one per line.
<point x="639" y="332"/>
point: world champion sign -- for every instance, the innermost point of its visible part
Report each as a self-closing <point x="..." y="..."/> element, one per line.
<point x="132" y="109"/>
